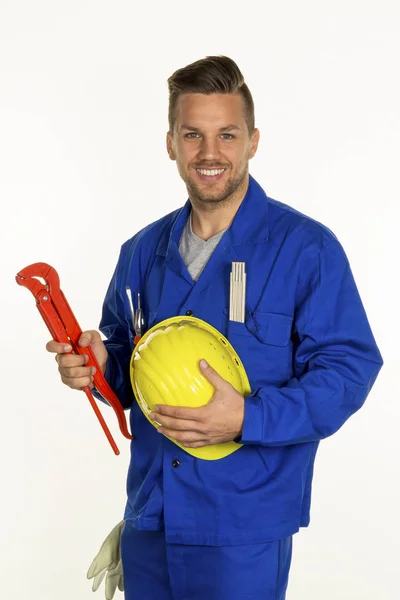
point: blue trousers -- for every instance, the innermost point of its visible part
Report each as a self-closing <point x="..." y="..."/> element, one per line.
<point x="155" y="570"/>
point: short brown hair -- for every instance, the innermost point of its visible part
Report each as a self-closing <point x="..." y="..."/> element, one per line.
<point x="210" y="75"/>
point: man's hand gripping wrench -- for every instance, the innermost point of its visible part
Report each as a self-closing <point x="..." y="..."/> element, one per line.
<point x="64" y="328"/>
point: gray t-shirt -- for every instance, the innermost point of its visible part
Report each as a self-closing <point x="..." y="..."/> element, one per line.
<point x="195" y="252"/>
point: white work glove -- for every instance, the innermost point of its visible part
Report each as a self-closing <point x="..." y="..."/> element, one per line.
<point x="107" y="563"/>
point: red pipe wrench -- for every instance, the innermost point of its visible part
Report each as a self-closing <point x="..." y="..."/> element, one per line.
<point x="64" y="328"/>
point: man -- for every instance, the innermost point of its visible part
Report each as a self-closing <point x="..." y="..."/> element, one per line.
<point x="213" y="530"/>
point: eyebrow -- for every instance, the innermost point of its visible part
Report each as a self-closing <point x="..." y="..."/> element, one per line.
<point x="222" y="129"/>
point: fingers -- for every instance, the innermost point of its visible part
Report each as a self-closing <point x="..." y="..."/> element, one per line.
<point x="188" y="439"/>
<point x="57" y="347"/>
<point x="71" y="360"/>
<point x="97" y="580"/>
<point x="181" y="412"/>
<point x="177" y="424"/>
<point x="76" y="377"/>
<point x="187" y="432"/>
<point x="89" y="337"/>
<point x="72" y="367"/>
<point x="78" y="383"/>
<point x="211" y="374"/>
<point x="76" y="372"/>
<point x="73" y="371"/>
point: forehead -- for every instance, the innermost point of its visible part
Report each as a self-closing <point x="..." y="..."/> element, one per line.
<point x="210" y="110"/>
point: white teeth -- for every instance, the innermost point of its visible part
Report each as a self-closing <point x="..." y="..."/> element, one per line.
<point x="210" y="173"/>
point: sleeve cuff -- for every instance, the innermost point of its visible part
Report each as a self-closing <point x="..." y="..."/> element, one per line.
<point x="253" y="420"/>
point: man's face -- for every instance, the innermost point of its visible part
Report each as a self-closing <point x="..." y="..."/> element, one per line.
<point x="211" y="145"/>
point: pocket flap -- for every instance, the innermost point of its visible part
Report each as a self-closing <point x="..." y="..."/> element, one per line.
<point x="273" y="328"/>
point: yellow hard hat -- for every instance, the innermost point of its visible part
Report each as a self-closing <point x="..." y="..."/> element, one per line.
<point x="165" y="369"/>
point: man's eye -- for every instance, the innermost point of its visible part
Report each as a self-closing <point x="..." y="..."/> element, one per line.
<point x="192" y="135"/>
<point x="227" y="136"/>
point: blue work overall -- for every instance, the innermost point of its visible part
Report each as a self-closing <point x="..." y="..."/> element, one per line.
<point x="311" y="360"/>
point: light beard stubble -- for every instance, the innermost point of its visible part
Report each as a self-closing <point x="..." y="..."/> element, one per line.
<point x="227" y="193"/>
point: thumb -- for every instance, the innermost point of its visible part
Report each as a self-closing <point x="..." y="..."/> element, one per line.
<point x="89" y="337"/>
<point x="211" y="374"/>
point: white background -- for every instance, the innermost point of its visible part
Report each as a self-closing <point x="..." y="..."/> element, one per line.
<point x="83" y="100"/>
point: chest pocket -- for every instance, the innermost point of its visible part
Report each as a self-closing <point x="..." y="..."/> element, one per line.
<point x="264" y="345"/>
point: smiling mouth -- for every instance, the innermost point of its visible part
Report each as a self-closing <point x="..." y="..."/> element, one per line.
<point x="210" y="172"/>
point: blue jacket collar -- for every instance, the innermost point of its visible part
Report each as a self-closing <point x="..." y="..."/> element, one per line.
<point x="249" y="226"/>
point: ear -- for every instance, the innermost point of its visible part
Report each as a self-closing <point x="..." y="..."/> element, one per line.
<point x="255" y="138"/>
<point x="170" y="150"/>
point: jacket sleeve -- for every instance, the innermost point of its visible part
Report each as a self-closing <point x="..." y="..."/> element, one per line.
<point x="336" y="362"/>
<point x="115" y="327"/>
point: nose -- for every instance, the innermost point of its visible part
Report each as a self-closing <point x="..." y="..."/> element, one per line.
<point x="209" y="148"/>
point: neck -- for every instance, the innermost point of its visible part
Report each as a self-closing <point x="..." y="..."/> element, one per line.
<point x="208" y="218"/>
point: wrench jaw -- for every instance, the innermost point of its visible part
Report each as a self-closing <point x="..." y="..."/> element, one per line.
<point x="28" y="278"/>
